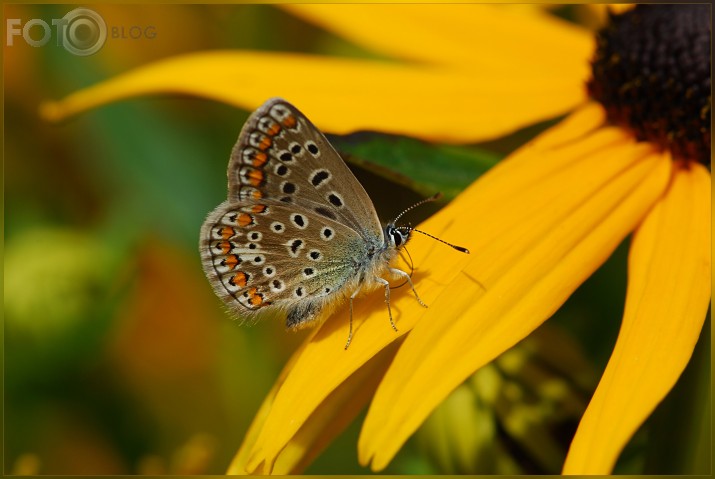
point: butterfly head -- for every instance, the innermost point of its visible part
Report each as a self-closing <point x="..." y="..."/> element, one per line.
<point x="397" y="236"/>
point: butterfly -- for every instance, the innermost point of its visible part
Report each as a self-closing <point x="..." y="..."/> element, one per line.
<point x="298" y="233"/>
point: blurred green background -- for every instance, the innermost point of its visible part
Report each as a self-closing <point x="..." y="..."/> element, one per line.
<point x="118" y="359"/>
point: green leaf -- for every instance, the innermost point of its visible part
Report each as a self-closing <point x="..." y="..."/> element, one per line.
<point x="423" y="167"/>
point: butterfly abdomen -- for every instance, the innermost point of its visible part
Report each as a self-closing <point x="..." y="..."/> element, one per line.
<point x="303" y="315"/>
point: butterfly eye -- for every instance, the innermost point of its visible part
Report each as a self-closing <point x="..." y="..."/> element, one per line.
<point x="398" y="237"/>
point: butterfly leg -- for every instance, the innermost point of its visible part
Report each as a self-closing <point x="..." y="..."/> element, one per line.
<point x="387" y="299"/>
<point x="399" y="272"/>
<point x="350" y="333"/>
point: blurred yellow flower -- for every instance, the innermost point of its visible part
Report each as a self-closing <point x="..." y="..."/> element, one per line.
<point x="538" y="224"/>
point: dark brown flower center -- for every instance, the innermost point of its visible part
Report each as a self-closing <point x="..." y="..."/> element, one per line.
<point x="651" y="72"/>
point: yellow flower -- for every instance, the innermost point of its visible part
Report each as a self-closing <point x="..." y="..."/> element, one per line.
<point x="538" y="224"/>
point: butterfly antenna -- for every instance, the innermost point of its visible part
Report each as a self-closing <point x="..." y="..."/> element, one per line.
<point x="458" y="248"/>
<point x="432" y="198"/>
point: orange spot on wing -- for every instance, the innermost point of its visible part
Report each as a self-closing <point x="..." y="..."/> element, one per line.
<point x="231" y="261"/>
<point x="258" y="208"/>
<point x="227" y="232"/>
<point x="259" y="159"/>
<point x="240" y="279"/>
<point x="274" y="129"/>
<point x="244" y="219"/>
<point x="265" y="143"/>
<point x="225" y="246"/>
<point x="289" y="121"/>
<point x="257" y="195"/>
<point x="256" y="299"/>
<point x="256" y="177"/>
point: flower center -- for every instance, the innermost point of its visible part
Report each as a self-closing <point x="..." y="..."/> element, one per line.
<point x="651" y="72"/>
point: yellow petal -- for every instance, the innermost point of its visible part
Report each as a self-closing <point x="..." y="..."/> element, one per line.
<point x="240" y="460"/>
<point x="323" y="366"/>
<point x="343" y="95"/>
<point x="487" y="38"/>
<point x="538" y="236"/>
<point x="238" y="465"/>
<point x="596" y="15"/>
<point x="669" y="283"/>
<point x="334" y="415"/>
<point x="328" y="420"/>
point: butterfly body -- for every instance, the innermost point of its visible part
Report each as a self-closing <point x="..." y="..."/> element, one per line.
<point x="298" y="233"/>
<point x="359" y="274"/>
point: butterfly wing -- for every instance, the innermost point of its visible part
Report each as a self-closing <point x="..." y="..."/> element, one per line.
<point x="259" y="260"/>
<point x="297" y="224"/>
<point x="281" y="155"/>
